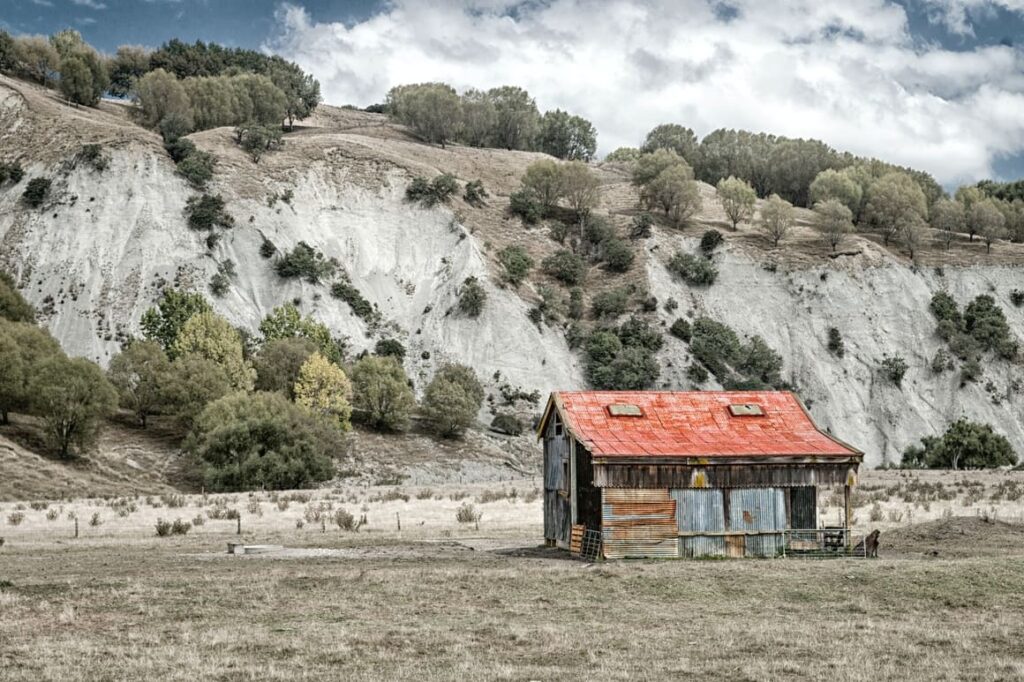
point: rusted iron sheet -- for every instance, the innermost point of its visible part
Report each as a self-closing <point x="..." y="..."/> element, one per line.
<point x="639" y="524"/>
<point x="763" y="511"/>
<point x="627" y="496"/>
<point x="646" y="476"/>
<point x="695" y="424"/>
<point x="696" y="511"/>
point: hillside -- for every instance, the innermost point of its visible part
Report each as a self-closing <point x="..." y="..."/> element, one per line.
<point x="97" y="254"/>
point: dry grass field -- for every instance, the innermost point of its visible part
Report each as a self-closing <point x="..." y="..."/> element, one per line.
<point x="440" y="599"/>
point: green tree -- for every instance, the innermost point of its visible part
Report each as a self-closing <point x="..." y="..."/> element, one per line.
<point x="301" y="92"/>
<point x="580" y="186"/>
<point x="675" y="137"/>
<point x="261" y="440"/>
<point x="13" y="305"/>
<point x="514" y="259"/>
<point x="964" y="445"/>
<point x="675" y="192"/>
<point x="452" y="400"/>
<point x="259" y="100"/>
<point x="257" y="140"/>
<point x="36" y="192"/>
<point x="383" y="399"/>
<point x="649" y="166"/>
<point x="213" y="102"/>
<point x="625" y="155"/>
<point x="14" y="377"/>
<point x="129" y="63"/>
<point x="472" y="297"/>
<point x="566" y="136"/>
<point x="208" y="211"/>
<point x="834" y="220"/>
<point x="8" y="53"/>
<point x="287" y="322"/>
<point x="793" y="166"/>
<point x="833" y="184"/>
<point x="38" y="58"/>
<point x="565" y="266"/>
<point x="72" y="398"/>
<point x="160" y="95"/>
<point x="948" y="218"/>
<point x="138" y="374"/>
<point x="479" y="118"/>
<point x="392" y="348"/>
<point x="738" y="200"/>
<point x="987" y="221"/>
<point x="894" y="202"/>
<point x="618" y="255"/>
<point x="516" y="117"/>
<point x="694" y="270"/>
<point x="23" y="347"/>
<point x="777" y="218"/>
<point x="163" y="322"/>
<point x="68" y="42"/>
<point x="192" y="383"/>
<point x="739" y="153"/>
<point x="76" y="81"/>
<point x="323" y="389"/>
<point x="543" y="180"/>
<point x="913" y="235"/>
<point x="278" y="363"/>
<point x="432" y="110"/>
<point x="210" y="336"/>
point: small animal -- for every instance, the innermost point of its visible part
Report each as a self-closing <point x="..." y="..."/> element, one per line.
<point x="869" y="545"/>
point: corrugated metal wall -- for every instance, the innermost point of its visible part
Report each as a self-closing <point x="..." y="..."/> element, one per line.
<point x="700" y="510"/>
<point x="762" y="510"/>
<point x="638" y="523"/>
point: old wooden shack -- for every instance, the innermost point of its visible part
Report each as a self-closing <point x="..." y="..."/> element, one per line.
<point x="691" y="474"/>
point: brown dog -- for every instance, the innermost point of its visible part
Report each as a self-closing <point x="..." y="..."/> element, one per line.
<point x="869" y="545"/>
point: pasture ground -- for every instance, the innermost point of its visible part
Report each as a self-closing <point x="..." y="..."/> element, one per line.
<point x="450" y="601"/>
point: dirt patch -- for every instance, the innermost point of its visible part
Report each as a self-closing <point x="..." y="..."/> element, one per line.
<point x="959" y="537"/>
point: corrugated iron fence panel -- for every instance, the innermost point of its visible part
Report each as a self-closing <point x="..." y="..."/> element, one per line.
<point x="638" y="524"/>
<point x="761" y="510"/>
<point x="700" y="510"/>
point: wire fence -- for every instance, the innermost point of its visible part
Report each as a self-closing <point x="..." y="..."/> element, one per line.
<point x="828" y="543"/>
<point x="590" y="548"/>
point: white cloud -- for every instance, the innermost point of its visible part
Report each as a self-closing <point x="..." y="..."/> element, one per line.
<point x="849" y="73"/>
<point x="91" y="4"/>
<point x="955" y="15"/>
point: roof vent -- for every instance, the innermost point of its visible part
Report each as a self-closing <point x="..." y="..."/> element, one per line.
<point x="624" y="410"/>
<point x="746" y="410"/>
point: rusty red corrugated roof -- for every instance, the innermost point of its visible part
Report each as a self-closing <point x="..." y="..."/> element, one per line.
<point x="695" y="424"/>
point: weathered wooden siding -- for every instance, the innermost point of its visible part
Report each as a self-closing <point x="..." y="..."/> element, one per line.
<point x="638" y="524"/>
<point x="718" y="476"/>
<point x="557" y="512"/>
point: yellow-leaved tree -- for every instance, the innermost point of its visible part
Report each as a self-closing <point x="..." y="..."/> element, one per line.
<point x="210" y="336"/>
<point x="322" y="388"/>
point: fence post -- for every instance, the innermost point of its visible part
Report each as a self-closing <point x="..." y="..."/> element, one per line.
<point x="238" y="531"/>
<point x="76" y="527"/>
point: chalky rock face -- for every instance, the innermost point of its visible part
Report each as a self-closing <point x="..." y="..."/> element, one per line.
<point x="99" y="250"/>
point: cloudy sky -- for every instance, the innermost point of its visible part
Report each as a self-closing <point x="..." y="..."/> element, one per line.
<point x="933" y="84"/>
